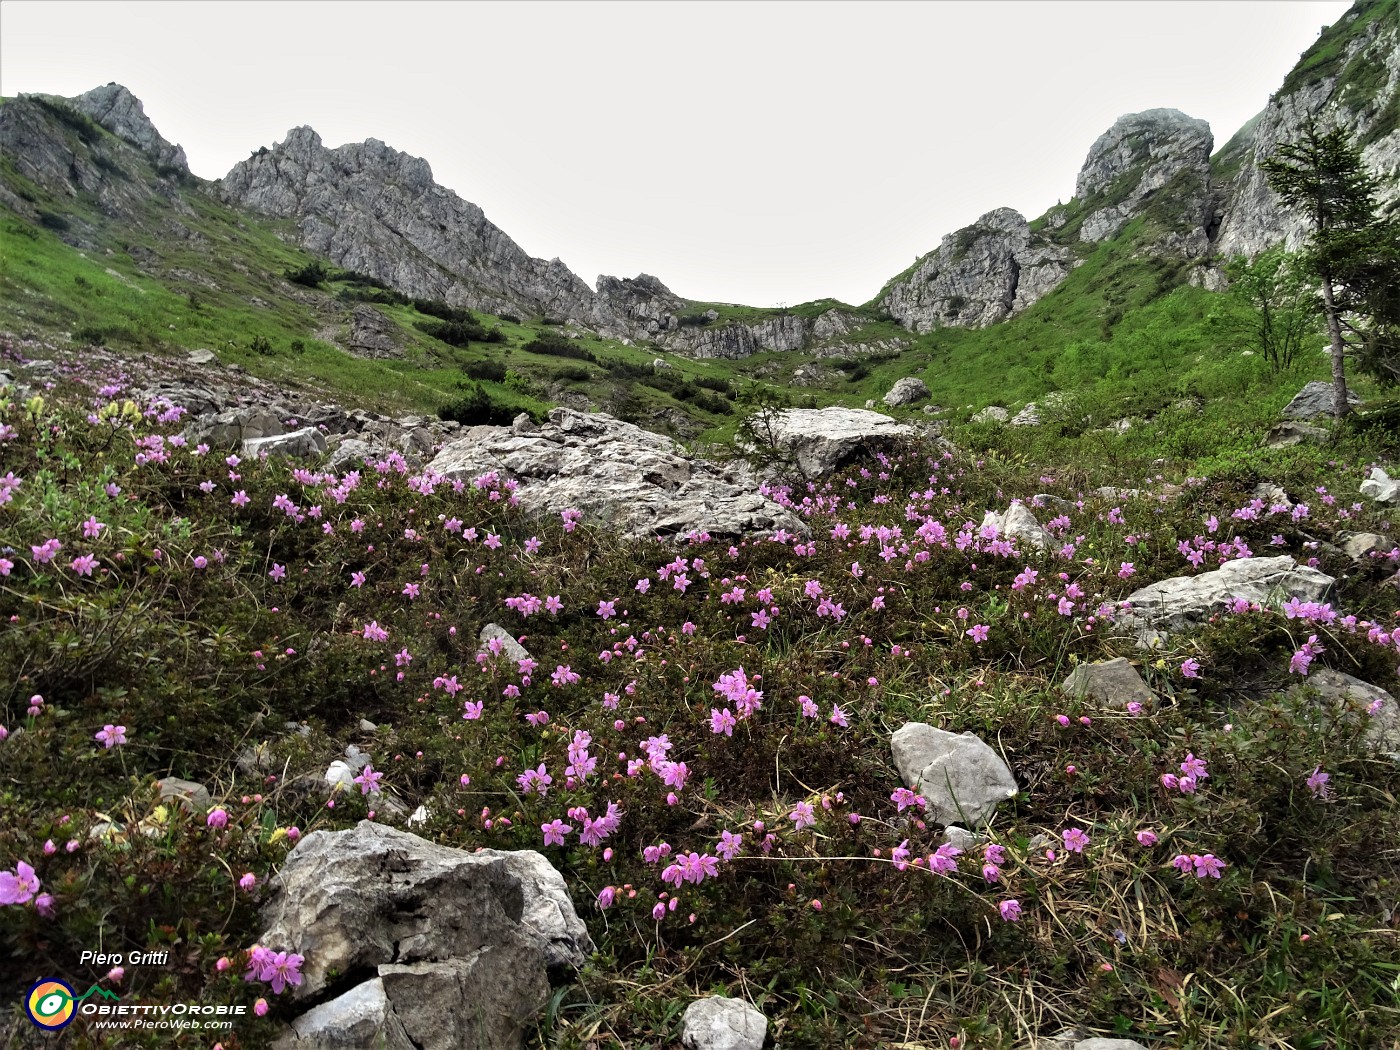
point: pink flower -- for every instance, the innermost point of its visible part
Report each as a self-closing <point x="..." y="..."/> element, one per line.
<point x="555" y="831"/>
<point x="248" y="881"/>
<point x="1191" y="668"/>
<point x="1010" y="910"/>
<point x="260" y="1008"/>
<point x="109" y="736"/>
<point x="1318" y="784"/>
<point x="18" y="886"/>
<point x="83" y="564"/>
<point x="978" y="632"/>
<point x="369" y="780"/>
<point x="217" y="819"/>
<point x="802" y="816"/>
<point x="1147" y="838"/>
<point x="1075" y="840"/>
<point x="115" y="974"/>
<point x="722" y="721"/>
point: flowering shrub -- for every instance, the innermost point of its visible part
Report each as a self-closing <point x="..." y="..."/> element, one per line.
<point x="698" y="740"/>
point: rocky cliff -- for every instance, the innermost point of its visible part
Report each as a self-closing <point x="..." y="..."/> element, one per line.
<point x="100" y="147"/>
<point x="982" y="274"/>
<point x="375" y="210"/>
<point x="1349" y="78"/>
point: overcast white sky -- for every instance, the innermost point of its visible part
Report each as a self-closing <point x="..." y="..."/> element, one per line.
<point x="742" y="152"/>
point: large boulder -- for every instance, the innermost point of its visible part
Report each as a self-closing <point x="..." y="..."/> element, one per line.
<point x="419" y="941"/>
<point x="1315" y="399"/>
<point x="1181" y="602"/>
<point x="720" y="1023"/>
<point x="639" y="483"/>
<point x="961" y="777"/>
<point x="822" y="440"/>
<point x="906" y="391"/>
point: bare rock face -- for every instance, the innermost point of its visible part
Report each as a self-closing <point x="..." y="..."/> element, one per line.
<point x="640" y="306"/>
<point x="1353" y="92"/>
<point x="1316" y="400"/>
<point x="121" y="113"/>
<point x="377" y="211"/>
<point x="1142" y="154"/>
<point x="982" y="274"/>
<point x="439" y="948"/>
<point x="640" y="483"/>
<point x="734" y="340"/>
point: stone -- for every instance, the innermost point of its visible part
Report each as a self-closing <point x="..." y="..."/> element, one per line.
<point x="1273" y="495"/>
<point x="1382" y="733"/>
<point x="305" y="443"/>
<point x="906" y="391"/>
<point x="366" y="726"/>
<point x="1100" y="1043"/>
<point x="1315" y="400"/>
<point x="1027" y="417"/>
<point x="1113" y="683"/>
<point x="1018" y="523"/>
<point x="1286" y="435"/>
<point x="339" y="775"/>
<point x="961" y="777"/>
<point x="961" y="837"/>
<point x="202" y="357"/>
<point x="361" y="1017"/>
<point x="823" y="440"/>
<point x="193" y="796"/>
<point x="720" y="1023"/>
<point x="351" y="453"/>
<point x="1181" y="602"/>
<point x="461" y="944"/>
<point x="635" y="482"/>
<point x="992" y="414"/>
<point x="510" y="648"/>
<point x="1379" y="487"/>
<point x="1359" y="546"/>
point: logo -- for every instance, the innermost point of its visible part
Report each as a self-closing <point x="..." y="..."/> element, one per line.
<point x="51" y="1003"/>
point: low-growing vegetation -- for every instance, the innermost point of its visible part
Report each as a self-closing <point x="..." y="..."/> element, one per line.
<point x="699" y="740"/>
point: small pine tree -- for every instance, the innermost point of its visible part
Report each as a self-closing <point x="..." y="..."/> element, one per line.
<point x="1353" y="253"/>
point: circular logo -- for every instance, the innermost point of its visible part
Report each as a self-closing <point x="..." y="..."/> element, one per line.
<point x="49" y="1004"/>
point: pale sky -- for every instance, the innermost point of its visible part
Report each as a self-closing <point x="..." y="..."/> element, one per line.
<point x="742" y="152"/>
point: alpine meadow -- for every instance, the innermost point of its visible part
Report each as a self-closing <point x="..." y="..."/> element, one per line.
<point x="407" y="644"/>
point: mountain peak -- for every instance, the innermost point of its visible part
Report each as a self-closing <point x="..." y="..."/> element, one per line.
<point x="119" y="111"/>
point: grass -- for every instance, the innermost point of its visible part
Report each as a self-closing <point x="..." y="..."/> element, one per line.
<point x="203" y="660"/>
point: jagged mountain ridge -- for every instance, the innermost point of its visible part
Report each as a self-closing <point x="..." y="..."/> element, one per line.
<point x="375" y="210"/>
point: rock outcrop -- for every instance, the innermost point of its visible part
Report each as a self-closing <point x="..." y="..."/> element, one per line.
<point x="372" y="209"/>
<point x="639" y="483"/>
<point x="1315" y="401"/>
<point x="979" y="275"/>
<point x="121" y="113"/>
<point x="1182" y="602"/>
<point x="1137" y="158"/>
<point x="1112" y="683"/>
<point x="1349" y="78"/>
